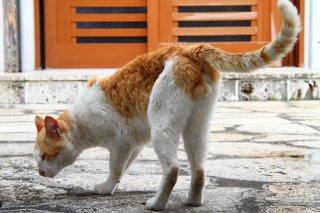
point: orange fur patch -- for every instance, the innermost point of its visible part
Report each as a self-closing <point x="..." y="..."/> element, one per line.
<point x="130" y="87"/>
<point x="39" y="122"/>
<point x="265" y="56"/>
<point x="189" y="69"/>
<point x="198" y="182"/>
<point x="92" y="81"/>
<point x="188" y="77"/>
<point x="213" y="74"/>
<point x="65" y="122"/>
<point x="51" y="146"/>
<point x="290" y="23"/>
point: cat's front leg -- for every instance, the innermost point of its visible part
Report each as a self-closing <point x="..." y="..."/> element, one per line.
<point x="119" y="157"/>
<point x="106" y="188"/>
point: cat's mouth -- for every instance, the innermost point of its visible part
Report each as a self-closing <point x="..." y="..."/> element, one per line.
<point x="42" y="173"/>
<point x="46" y="174"/>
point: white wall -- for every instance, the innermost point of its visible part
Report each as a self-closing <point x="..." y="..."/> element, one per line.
<point x="307" y="15"/>
<point x="1" y="39"/>
<point x="27" y="35"/>
<point x="314" y="43"/>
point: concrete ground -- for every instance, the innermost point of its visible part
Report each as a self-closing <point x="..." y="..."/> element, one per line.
<point x="263" y="157"/>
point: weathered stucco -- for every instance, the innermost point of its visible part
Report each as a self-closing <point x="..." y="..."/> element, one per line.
<point x="62" y="88"/>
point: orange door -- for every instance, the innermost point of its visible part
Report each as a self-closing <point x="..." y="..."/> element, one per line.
<point x="94" y="33"/>
<point x="103" y="33"/>
<point x="232" y="25"/>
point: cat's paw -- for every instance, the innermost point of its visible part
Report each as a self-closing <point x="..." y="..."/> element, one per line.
<point x="194" y="202"/>
<point x="103" y="189"/>
<point x="154" y="204"/>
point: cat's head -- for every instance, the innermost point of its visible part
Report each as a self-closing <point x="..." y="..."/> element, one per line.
<point x="52" y="149"/>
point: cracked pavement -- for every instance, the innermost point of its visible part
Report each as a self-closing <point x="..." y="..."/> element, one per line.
<point x="263" y="157"/>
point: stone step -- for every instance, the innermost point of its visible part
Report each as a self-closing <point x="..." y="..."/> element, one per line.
<point x="267" y="84"/>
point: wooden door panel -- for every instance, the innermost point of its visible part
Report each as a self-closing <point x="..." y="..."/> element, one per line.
<point x="100" y="33"/>
<point x="94" y="55"/>
<point x="76" y="39"/>
<point x="107" y="3"/>
<point x="213" y="3"/>
<point x="232" y="25"/>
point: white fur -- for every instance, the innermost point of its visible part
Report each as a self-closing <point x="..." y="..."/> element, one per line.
<point x="171" y="112"/>
<point x="96" y="123"/>
<point x="196" y="136"/>
<point x="168" y="112"/>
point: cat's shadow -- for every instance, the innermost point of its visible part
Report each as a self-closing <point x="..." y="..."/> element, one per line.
<point x="86" y="193"/>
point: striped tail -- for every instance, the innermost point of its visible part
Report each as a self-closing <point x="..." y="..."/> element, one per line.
<point x="250" y="61"/>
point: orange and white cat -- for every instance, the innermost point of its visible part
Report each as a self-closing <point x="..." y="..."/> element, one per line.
<point x="156" y="97"/>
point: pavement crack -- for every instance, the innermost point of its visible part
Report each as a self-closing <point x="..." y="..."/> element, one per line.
<point x="285" y="116"/>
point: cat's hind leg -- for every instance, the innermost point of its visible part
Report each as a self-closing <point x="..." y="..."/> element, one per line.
<point x="196" y="137"/>
<point x="168" y="112"/>
<point x="133" y="156"/>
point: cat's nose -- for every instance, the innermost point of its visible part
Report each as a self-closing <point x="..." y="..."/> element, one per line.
<point x="42" y="173"/>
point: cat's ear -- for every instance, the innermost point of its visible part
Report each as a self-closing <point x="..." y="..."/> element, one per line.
<point x="52" y="127"/>
<point x="39" y="122"/>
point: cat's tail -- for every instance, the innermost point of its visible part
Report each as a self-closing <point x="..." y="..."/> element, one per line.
<point x="247" y="62"/>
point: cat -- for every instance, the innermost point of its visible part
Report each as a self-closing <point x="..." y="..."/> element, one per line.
<point x="157" y="96"/>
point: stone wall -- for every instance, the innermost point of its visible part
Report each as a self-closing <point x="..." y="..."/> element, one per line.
<point x="43" y="87"/>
